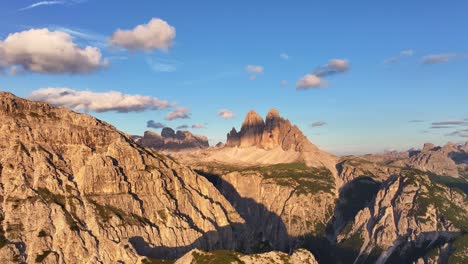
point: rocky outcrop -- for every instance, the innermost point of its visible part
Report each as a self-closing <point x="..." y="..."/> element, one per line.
<point x="281" y="204"/>
<point x="300" y="256"/>
<point x="274" y="132"/>
<point x="171" y="140"/>
<point x="409" y="218"/>
<point x="435" y="159"/>
<point x="73" y="189"/>
<point x="272" y="141"/>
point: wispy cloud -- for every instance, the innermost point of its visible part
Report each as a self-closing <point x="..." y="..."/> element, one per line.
<point x="402" y="55"/>
<point x="160" y="65"/>
<point x="459" y="133"/>
<point x="416" y="121"/>
<point x="316" y="78"/>
<point x="451" y="122"/>
<point x="254" y="71"/>
<point x="182" y="127"/>
<point x="318" y="124"/>
<point x="52" y="3"/>
<point x="155" y="125"/>
<point x="42" y="3"/>
<point x="284" y="56"/>
<point x="198" y="126"/>
<point x="439" y="58"/>
<point x="82" y="35"/>
<point x="440" y="127"/>
<point x="284" y="83"/>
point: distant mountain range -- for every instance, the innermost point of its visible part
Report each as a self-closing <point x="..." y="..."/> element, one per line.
<point x="73" y="189"/>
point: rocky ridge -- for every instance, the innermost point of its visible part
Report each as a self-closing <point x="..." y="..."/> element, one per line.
<point x="74" y="189"/>
<point x="300" y="256"/>
<point x="99" y="197"/>
<point x="172" y="140"/>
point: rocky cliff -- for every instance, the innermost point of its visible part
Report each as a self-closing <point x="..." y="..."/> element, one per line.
<point x="410" y="219"/>
<point x="280" y="203"/>
<point x="73" y="189"/>
<point x="173" y="141"/>
<point x="274" y="132"/>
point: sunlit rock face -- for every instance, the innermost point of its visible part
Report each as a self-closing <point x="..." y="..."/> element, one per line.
<point x="274" y="132"/>
<point x="73" y="189"/>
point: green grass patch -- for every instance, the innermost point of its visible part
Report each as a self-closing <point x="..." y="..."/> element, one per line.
<point x="460" y="253"/>
<point x="436" y="195"/>
<point x="216" y="257"/>
<point x="106" y="211"/>
<point x="309" y="180"/>
<point x="148" y="260"/>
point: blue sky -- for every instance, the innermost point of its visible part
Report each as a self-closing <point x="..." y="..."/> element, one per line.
<point x="366" y="108"/>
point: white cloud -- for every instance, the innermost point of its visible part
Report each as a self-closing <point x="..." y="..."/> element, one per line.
<point x="309" y="81"/>
<point x="44" y="51"/>
<point x="439" y="58"/>
<point x="254" y="69"/>
<point x="98" y="102"/>
<point x="284" y="56"/>
<point x="178" y="113"/>
<point x="224" y="113"/>
<point x="284" y="83"/>
<point x="156" y="34"/>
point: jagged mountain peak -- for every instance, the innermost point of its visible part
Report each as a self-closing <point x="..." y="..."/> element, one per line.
<point x="274" y="132"/>
<point x="273" y="113"/>
<point x="253" y="119"/>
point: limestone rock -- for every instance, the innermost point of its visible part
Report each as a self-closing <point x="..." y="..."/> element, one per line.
<point x="281" y="140"/>
<point x="172" y="140"/>
<point x="73" y="189"/>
